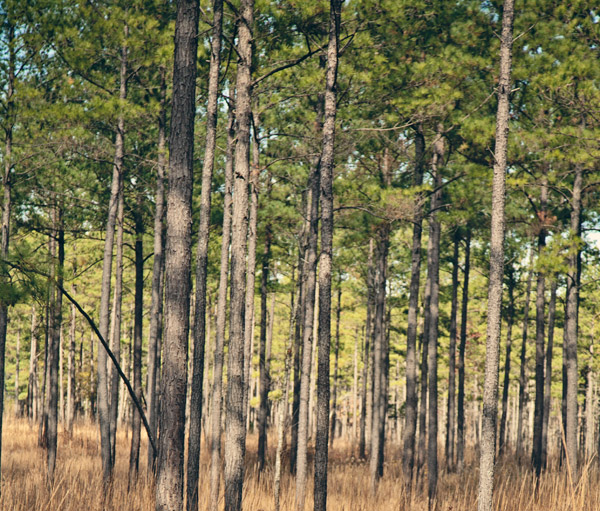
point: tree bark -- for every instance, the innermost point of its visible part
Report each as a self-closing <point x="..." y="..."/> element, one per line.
<point x="460" y="405"/>
<point x="503" y="440"/>
<point x="450" y="421"/>
<point x="202" y="261"/>
<point x="217" y="386"/>
<point x="338" y="312"/>
<point x="169" y="484"/>
<point x="326" y="258"/>
<point x="32" y="384"/>
<point x="71" y="373"/>
<point x="158" y="269"/>
<point x="235" y="424"/>
<point x="548" y="375"/>
<point x="410" y="422"/>
<point x="494" y="315"/>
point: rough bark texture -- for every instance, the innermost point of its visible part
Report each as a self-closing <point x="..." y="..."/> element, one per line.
<point x="169" y="484"/>
<point x="451" y="412"/>
<point x="32" y="384"/>
<point x="366" y="357"/>
<point x="494" y="315"/>
<point x="199" y="333"/>
<point x="71" y="374"/>
<point x="503" y="440"/>
<point x="134" y="456"/>
<point x="217" y="385"/>
<point x="410" y="422"/>
<point x="326" y="259"/>
<point x="158" y="268"/>
<point x="338" y="312"/>
<point x="540" y="306"/>
<point x="548" y="374"/>
<point x="235" y="424"/>
<point x="571" y="324"/>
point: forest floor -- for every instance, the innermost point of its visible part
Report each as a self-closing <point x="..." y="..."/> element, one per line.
<point x="78" y="484"/>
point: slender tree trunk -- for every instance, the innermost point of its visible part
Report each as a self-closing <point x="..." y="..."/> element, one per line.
<point x="32" y="383"/>
<point x="61" y="391"/>
<point x="590" y="406"/>
<point x="434" y="269"/>
<point x="158" y="269"/>
<point x="134" y="456"/>
<point x="523" y="380"/>
<point x="338" y="312"/>
<point x="540" y="306"/>
<point x="102" y="381"/>
<point x="548" y="375"/>
<point x="460" y="405"/>
<point x="263" y="363"/>
<point x="116" y="324"/>
<point x="410" y="422"/>
<point x="503" y="440"/>
<point x="71" y="374"/>
<point x="355" y="386"/>
<point x="202" y="261"/>
<point x="494" y="315"/>
<point x="17" y="356"/>
<point x="571" y="325"/>
<point x="6" y="206"/>
<point x="450" y="421"/>
<point x="366" y="356"/>
<point x="326" y="259"/>
<point x="235" y="423"/>
<point x="217" y="386"/>
<point x="299" y="321"/>
<point x="169" y="484"/>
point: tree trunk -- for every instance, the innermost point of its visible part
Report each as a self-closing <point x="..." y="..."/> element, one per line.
<point x="355" y="386"/>
<point x="338" y="312"/>
<point x="102" y="381"/>
<point x="450" y="421"/>
<point x="434" y="270"/>
<point x="494" y="314"/>
<point x="202" y="261"/>
<point x="506" y="386"/>
<point x="326" y="259"/>
<point x="571" y="324"/>
<point x="116" y="324"/>
<point x="540" y="305"/>
<point x="17" y="356"/>
<point x="366" y="356"/>
<point x="410" y="422"/>
<point x="71" y="374"/>
<point x="235" y="424"/>
<point x="460" y="405"/>
<point x="263" y="363"/>
<point x="158" y="269"/>
<point x="32" y="383"/>
<point x="169" y="483"/>
<point x="548" y="375"/>
<point x="134" y="456"/>
<point x="299" y="321"/>
<point x="523" y="380"/>
<point x="217" y="385"/>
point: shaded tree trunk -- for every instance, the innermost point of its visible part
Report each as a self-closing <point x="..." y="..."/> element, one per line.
<point x="338" y="312"/>
<point x="494" y="315"/>
<point x="202" y="261"/>
<point x="169" y="483"/>
<point x="71" y="373"/>
<point x="366" y="355"/>
<point x="548" y="375"/>
<point x="32" y="383"/>
<point x="503" y="440"/>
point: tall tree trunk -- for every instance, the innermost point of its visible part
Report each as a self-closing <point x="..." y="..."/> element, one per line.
<point x="54" y="338"/>
<point x="71" y="373"/>
<point x="235" y="424"/>
<point x="102" y="381"/>
<point x="450" y="421"/>
<point x="32" y="384"/>
<point x="355" y="386"/>
<point x="202" y="261"/>
<point x="299" y="321"/>
<point x="263" y="363"/>
<point x="540" y="306"/>
<point x="6" y="206"/>
<point x="158" y="269"/>
<point x="116" y="324"/>
<point x="326" y="258"/>
<point x="217" y="385"/>
<point x="523" y="380"/>
<point x="134" y="456"/>
<point x="61" y="390"/>
<point x="503" y="440"/>
<point x="548" y="375"/>
<point x="460" y="405"/>
<point x="572" y="324"/>
<point x="366" y="355"/>
<point x="434" y="269"/>
<point x="309" y="288"/>
<point x="338" y="312"/>
<point x="494" y="315"/>
<point x="169" y="484"/>
<point x="410" y="422"/>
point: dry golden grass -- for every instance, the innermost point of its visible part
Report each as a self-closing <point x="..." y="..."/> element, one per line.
<point x="78" y="483"/>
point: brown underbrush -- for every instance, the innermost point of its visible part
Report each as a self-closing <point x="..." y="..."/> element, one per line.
<point x="78" y="483"/>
